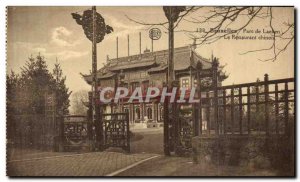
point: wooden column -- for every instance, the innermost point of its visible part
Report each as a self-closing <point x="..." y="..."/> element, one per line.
<point x="208" y="112"/>
<point x="153" y="111"/>
<point x="200" y="106"/>
<point x="204" y="117"/>
<point x="131" y="113"/>
<point x="142" y="111"/>
<point x="156" y="110"/>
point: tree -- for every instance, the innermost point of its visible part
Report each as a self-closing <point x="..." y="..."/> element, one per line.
<point x="12" y="82"/>
<point x="26" y="112"/>
<point x="234" y="20"/>
<point x="78" y="100"/>
<point x="62" y="92"/>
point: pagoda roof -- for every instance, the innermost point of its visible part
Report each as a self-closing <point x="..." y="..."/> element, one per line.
<point x="184" y="58"/>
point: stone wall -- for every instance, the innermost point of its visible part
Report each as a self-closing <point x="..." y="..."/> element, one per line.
<point x="276" y="152"/>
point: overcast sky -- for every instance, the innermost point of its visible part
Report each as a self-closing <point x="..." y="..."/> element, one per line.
<point x="52" y="32"/>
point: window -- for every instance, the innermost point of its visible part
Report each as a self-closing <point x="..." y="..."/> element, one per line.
<point x="161" y="113"/>
<point x="137" y="113"/>
<point x="185" y="82"/>
<point x="126" y="110"/>
<point x="149" y="113"/>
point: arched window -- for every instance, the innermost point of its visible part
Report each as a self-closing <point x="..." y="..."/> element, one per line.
<point x="137" y="113"/>
<point x="149" y="113"/>
<point x="161" y="113"/>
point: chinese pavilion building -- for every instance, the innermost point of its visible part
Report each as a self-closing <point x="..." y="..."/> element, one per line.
<point x="149" y="70"/>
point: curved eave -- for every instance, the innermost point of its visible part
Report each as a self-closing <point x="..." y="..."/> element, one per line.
<point x="89" y="79"/>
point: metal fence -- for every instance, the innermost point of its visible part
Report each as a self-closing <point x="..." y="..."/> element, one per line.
<point x="262" y="107"/>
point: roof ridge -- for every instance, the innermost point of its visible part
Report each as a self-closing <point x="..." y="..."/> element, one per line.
<point x="155" y="53"/>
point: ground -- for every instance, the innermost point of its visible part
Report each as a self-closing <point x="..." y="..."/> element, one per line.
<point x="86" y="164"/>
<point x="148" y="141"/>
<point x="179" y="166"/>
<point x="146" y="159"/>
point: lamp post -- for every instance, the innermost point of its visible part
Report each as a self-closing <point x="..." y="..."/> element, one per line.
<point x="95" y="29"/>
<point x="172" y="14"/>
<point x="96" y="105"/>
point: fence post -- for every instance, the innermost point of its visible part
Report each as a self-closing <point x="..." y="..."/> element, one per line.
<point x="232" y="109"/>
<point x="248" y="110"/>
<point x="257" y="105"/>
<point x="215" y="65"/>
<point x="276" y="108"/>
<point x="286" y="108"/>
<point x="240" y="111"/>
<point x="224" y="111"/>
<point x="266" y="79"/>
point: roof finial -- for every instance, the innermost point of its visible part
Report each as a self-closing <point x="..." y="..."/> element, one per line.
<point x="212" y="55"/>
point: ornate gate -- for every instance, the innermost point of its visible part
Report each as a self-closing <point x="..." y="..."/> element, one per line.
<point x="75" y="132"/>
<point x="116" y="130"/>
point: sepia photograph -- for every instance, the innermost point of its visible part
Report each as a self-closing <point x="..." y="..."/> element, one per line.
<point x="150" y="91"/>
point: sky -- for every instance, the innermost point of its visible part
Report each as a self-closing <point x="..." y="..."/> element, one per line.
<point x="53" y="33"/>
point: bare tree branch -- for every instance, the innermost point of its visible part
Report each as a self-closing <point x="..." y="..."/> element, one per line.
<point x="224" y="18"/>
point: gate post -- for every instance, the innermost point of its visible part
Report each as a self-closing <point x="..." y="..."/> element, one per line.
<point x="166" y="126"/>
<point x="128" y="131"/>
<point x="198" y="107"/>
<point x="175" y="118"/>
<point x="98" y="124"/>
<point x="90" y="121"/>
<point x="196" y="119"/>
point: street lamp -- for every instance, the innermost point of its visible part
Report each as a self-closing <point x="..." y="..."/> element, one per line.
<point x="172" y="14"/>
<point x="95" y="29"/>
